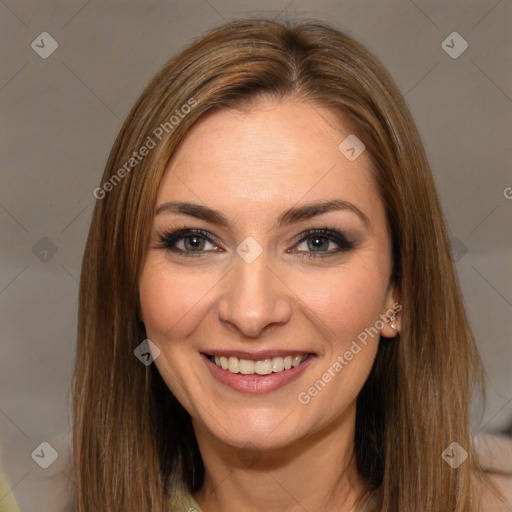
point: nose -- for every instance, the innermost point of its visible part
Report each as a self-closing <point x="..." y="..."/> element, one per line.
<point x="254" y="298"/>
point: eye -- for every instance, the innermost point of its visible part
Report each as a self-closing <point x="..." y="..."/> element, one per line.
<point x="316" y="243"/>
<point x="320" y="243"/>
<point x="187" y="242"/>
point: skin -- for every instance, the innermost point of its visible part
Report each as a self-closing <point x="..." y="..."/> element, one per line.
<point x="269" y="452"/>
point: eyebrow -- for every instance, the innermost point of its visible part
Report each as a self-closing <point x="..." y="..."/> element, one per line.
<point x="291" y="216"/>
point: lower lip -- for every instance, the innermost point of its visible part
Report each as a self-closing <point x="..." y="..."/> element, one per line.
<point x="257" y="383"/>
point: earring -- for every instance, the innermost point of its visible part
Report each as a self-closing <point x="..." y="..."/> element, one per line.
<point x="392" y="319"/>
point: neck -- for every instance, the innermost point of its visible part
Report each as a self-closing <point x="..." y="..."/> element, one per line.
<point x="315" y="473"/>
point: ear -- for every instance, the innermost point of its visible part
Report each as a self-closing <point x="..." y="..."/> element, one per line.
<point x="392" y="313"/>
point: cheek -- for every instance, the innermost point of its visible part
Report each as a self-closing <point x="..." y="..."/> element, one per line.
<point x="346" y="300"/>
<point x="171" y="300"/>
<point x="343" y="304"/>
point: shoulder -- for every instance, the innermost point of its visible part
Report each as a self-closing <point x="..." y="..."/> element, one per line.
<point x="497" y="496"/>
<point x="495" y="456"/>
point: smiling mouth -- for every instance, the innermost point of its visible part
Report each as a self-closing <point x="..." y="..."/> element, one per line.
<point x="265" y="366"/>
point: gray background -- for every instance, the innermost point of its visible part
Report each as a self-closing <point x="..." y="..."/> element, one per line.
<point x="60" y="116"/>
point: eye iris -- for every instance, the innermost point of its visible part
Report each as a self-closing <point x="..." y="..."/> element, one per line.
<point x="318" y="242"/>
<point x="194" y="242"/>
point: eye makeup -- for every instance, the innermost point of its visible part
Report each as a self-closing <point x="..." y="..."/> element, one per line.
<point x="184" y="241"/>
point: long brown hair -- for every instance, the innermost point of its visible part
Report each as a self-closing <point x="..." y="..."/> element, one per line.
<point x="133" y="441"/>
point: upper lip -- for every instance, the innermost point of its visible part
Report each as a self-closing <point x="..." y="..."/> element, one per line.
<point x="256" y="356"/>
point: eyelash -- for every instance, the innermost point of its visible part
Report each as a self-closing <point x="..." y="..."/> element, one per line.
<point x="169" y="238"/>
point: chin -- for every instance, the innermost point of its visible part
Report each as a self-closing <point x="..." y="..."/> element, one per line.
<point x="260" y="429"/>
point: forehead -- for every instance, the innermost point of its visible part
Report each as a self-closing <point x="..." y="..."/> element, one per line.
<point x="269" y="157"/>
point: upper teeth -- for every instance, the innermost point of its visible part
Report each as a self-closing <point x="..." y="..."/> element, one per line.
<point x="263" y="367"/>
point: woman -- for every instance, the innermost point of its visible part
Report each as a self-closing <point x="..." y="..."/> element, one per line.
<point x="269" y="313"/>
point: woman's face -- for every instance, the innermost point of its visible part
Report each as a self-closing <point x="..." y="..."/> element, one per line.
<point x="253" y="288"/>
